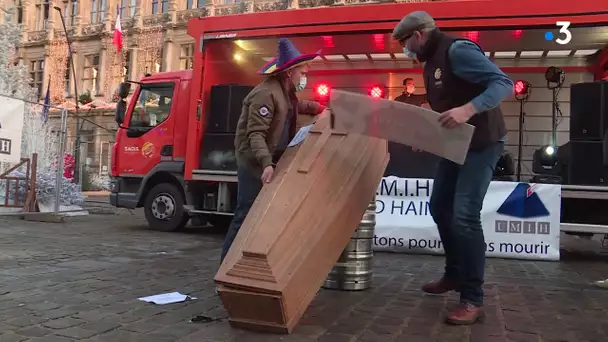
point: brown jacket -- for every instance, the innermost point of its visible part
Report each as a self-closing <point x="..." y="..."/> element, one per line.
<point x="262" y="121"/>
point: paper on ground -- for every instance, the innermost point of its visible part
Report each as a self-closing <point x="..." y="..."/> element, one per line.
<point x="166" y="298"/>
<point x="300" y="136"/>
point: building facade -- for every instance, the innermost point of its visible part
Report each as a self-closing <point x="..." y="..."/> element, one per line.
<point x="154" y="39"/>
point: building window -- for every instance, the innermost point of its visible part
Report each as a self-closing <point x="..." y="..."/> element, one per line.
<point x="126" y="71"/>
<point x="127" y="8"/>
<point x="36" y="75"/>
<point x="14" y="13"/>
<point x="71" y="10"/>
<point x="66" y="78"/>
<point x="160" y="6"/>
<point x="190" y="4"/>
<point x="152" y="60"/>
<point x="98" y="11"/>
<point x="186" y="56"/>
<point x="91" y="74"/>
<point x="42" y="15"/>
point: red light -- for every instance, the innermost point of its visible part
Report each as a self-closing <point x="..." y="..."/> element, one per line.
<point x="521" y="87"/>
<point x="328" y="42"/>
<point x="473" y="35"/>
<point x="517" y="33"/>
<point x="379" y="42"/>
<point x="322" y="90"/>
<point x="376" y="92"/>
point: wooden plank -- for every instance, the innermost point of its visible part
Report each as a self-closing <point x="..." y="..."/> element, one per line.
<point x="399" y="122"/>
<point x="298" y="227"/>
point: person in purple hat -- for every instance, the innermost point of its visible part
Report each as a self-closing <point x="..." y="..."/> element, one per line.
<point x="266" y="126"/>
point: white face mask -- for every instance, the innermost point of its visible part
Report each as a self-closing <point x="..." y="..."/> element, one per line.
<point x="409" y="53"/>
<point x="302" y="84"/>
<point x="410" y="89"/>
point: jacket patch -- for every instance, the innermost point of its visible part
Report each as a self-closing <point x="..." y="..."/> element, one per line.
<point x="437" y="73"/>
<point x="263" y="111"/>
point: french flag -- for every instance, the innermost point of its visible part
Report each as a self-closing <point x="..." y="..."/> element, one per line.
<point x="118" y="31"/>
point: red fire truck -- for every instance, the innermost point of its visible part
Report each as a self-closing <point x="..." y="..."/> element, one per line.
<point x="174" y="149"/>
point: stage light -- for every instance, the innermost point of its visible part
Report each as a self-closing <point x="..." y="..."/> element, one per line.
<point x="328" y="42"/>
<point x="547" y="156"/>
<point x="376" y="91"/>
<point x="237" y="57"/>
<point x="322" y="90"/>
<point x="517" y="33"/>
<point x="321" y="93"/>
<point x="554" y="75"/>
<point x="522" y="90"/>
<point x="379" y="42"/>
<point x="473" y="35"/>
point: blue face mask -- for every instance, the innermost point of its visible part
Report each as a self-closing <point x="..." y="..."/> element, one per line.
<point x="409" y="53"/>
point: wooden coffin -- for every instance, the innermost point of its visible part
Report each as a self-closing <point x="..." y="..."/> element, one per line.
<point x="399" y="122"/>
<point x="298" y="227"/>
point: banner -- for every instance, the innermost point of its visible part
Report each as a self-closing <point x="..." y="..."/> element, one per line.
<point x="11" y="129"/>
<point x="520" y="220"/>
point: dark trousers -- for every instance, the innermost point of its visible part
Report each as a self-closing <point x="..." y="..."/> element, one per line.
<point x="456" y="201"/>
<point x="248" y="188"/>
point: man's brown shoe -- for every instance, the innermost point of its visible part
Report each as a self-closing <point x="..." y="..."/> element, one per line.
<point x="466" y="314"/>
<point x="441" y="286"/>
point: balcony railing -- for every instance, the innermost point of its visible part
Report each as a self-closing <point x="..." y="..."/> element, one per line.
<point x="184" y="16"/>
<point x="214" y="8"/>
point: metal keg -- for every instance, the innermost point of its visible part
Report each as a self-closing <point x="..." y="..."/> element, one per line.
<point x="353" y="271"/>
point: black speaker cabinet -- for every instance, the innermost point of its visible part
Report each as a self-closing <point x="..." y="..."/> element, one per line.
<point x="225" y="107"/>
<point x="586" y="165"/>
<point x="217" y="152"/>
<point x="405" y="163"/>
<point x="588" y="111"/>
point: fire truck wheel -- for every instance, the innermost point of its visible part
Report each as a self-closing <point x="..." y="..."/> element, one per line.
<point x="164" y="208"/>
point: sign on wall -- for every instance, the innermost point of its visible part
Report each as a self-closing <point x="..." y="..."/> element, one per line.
<point x="11" y="129"/>
<point x="519" y="220"/>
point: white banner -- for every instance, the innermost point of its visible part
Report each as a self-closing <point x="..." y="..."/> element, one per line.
<point x="520" y="220"/>
<point x="11" y="129"/>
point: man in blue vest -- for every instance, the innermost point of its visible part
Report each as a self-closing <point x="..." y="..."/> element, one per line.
<point x="465" y="87"/>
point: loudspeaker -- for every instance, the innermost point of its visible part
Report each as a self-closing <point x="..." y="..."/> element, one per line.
<point x="225" y="107"/>
<point x="586" y="165"/>
<point x="405" y="163"/>
<point x="588" y="111"/>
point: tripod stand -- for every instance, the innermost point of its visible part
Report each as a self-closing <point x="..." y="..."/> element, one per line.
<point x="520" y="144"/>
<point x="522" y="93"/>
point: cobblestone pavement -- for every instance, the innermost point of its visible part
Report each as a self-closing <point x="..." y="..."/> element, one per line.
<point x="80" y="280"/>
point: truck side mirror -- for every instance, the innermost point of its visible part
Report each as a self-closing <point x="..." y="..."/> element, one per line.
<point x="121" y="108"/>
<point x="124" y="89"/>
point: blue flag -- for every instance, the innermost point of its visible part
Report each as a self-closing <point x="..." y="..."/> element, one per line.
<point x="47" y="103"/>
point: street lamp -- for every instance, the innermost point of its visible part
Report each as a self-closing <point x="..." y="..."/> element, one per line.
<point x="78" y="124"/>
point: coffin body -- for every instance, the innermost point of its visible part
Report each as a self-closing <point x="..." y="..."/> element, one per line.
<point x="298" y="227"/>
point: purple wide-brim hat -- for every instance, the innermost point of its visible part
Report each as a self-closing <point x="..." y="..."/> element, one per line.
<point x="288" y="57"/>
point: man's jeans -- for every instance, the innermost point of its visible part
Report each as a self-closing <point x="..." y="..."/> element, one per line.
<point x="249" y="186"/>
<point x="456" y="201"/>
